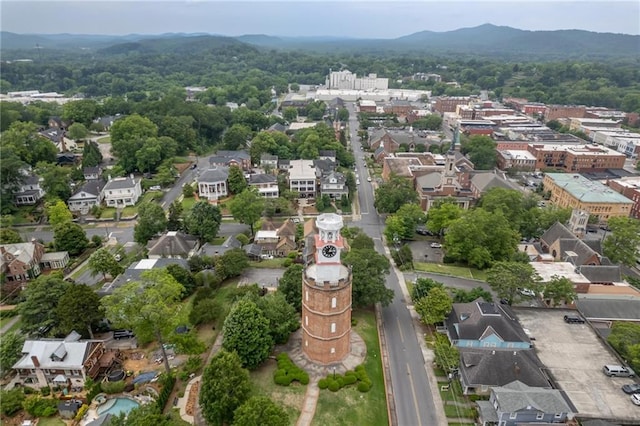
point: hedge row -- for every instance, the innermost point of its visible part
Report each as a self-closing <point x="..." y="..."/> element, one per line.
<point x="335" y="382"/>
<point x="287" y="372"/>
<point x="167" y="386"/>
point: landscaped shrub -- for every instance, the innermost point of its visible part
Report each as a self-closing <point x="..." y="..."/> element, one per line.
<point x="167" y="386"/>
<point x="364" y="386"/>
<point x="287" y="372"/>
<point x="81" y="412"/>
<point x="112" y="387"/>
<point x="45" y="391"/>
<point x="334" y="386"/>
<point x="335" y="382"/>
<point x="40" y="407"/>
<point x="11" y="401"/>
<point x="323" y="383"/>
<point x="287" y="262"/>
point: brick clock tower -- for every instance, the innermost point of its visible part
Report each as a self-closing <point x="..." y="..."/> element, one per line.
<point x="326" y="296"/>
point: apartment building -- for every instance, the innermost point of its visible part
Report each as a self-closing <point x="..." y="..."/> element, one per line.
<point x="302" y="178"/>
<point x="576" y="158"/>
<point x="577" y="192"/>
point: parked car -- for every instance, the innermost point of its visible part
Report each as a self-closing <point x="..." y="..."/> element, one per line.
<point x="266" y="257"/>
<point x="369" y="179"/>
<point x="573" y="319"/>
<point x="618" y="371"/>
<point x="357" y="181"/>
<point x="123" y="334"/>
<point x="155" y="188"/>
<point x="436" y="245"/>
<point x="527" y="292"/>
<point x="632" y="388"/>
<point x="423" y="231"/>
<point x="635" y="398"/>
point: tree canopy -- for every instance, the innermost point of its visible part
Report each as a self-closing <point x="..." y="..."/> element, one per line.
<point x="505" y="278"/>
<point x="41" y="298"/>
<point x="435" y="307"/>
<point x="246" y="332"/>
<point x="79" y="309"/>
<point x="151" y="221"/>
<point x="621" y="245"/>
<point x="393" y="194"/>
<point x="290" y="285"/>
<point x="260" y="410"/>
<point x="203" y="221"/>
<point x="247" y="207"/>
<point x="369" y="269"/>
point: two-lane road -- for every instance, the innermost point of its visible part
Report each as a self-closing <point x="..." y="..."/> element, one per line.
<point x="412" y="393"/>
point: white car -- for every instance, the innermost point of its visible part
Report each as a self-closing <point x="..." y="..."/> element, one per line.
<point x="635" y="398"/>
<point x="369" y="179"/>
<point x="357" y="181"/>
<point x="527" y="292"/>
<point x="436" y="245"/>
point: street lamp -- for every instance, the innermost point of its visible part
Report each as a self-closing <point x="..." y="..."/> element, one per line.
<point x="334" y="373"/>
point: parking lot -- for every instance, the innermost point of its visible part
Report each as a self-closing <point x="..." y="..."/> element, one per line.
<point x="266" y="278"/>
<point x="574" y="355"/>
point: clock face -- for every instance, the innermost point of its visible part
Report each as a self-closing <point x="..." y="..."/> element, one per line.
<point x="329" y="251"/>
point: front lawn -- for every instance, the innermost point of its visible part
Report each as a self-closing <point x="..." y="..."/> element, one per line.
<point x="290" y="398"/>
<point x="453" y="270"/>
<point x="105" y="139"/>
<point x="128" y="211"/>
<point x="50" y="421"/>
<point x="276" y="263"/>
<point x="348" y="406"/>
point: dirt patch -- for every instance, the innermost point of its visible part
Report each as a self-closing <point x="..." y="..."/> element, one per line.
<point x="193" y="398"/>
<point x="309" y="210"/>
<point x="181" y="167"/>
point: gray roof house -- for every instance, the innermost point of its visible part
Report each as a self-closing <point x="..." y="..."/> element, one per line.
<point x="91" y="173"/>
<point x="241" y="159"/>
<point x="334" y="185"/>
<point x="266" y="184"/>
<point x="481" y="324"/>
<point x="135" y="270"/>
<point x="122" y="191"/>
<point x="172" y="244"/>
<point x="482" y="369"/>
<point x="218" y="250"/>
<point x="277" y="127"/>
<point x="88" y="195"/>
<point x="324" y="166"/>
<point x="269" y="160"/>
<point x="30" y="191"/>
<point x="516" y="403"/>
<point x="212" y="184"/>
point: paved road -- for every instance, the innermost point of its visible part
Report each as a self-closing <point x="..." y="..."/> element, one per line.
<point x="412" y="393"/>
<point x="454" y="282"/>
<point x="188" y="176"/>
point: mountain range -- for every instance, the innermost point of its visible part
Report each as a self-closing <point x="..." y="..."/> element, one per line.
<point x="483" y="40"/>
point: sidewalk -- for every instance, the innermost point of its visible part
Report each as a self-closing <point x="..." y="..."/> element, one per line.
<point x="310" y="403"/>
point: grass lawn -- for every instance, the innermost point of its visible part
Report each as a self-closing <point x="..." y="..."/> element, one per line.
<point x="456" y="271"/>
<point x="269" y="263"/>
<point x="180" y="160"/>
<point x="78" y="272"/>
<point x="290" y="398"/>
<point x="50" y="421"/>
<point x="454" y="393"/>
<point x="348" y="406"/>
<point x="459" y="412"/>
<point x="25" y="214"/>
<point x="176" y="419"/>
<point x="5" y="320"/>
<point x="187" y="204"/>
<point x="128" y="211"/>
<point x="106" y="139"/>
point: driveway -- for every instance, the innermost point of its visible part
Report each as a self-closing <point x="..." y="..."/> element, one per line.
<point x="573" y="355"/>
<point x="263" y="277"/>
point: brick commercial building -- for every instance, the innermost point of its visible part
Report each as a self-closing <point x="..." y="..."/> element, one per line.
<point x="450" y="103"/>
<point x="576" y="191"/>
<point x="630" y="188"/>
<point x="576" y="158"/>
<point x="326" y="296"/>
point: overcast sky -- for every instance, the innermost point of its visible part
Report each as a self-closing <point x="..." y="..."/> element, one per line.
<point x="363" y="19"/>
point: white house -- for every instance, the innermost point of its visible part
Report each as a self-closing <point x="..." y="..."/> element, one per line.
<point x="90" y="194"/>
<point x="30" y="192"/>
<point x="302" y="178"/>
<point x="334" y="185"/>
<point x="212" y="184"/>
<point x="267" y="185"/>
<point x="122" y="191"/>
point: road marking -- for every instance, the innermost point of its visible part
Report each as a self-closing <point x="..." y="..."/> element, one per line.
<point x="400" y="329"/>
<point x="413" y="393"/>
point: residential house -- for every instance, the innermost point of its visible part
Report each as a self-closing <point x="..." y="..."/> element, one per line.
<point x="218" y="250"/>
<point x="277" y="240"/>
<point x="212" y="184"/>
<point x="21" y="261"/>
<point x="324" y="166"/>
<point x="277" y="127"/>
<point x="63" y="362"/>
<point x="88" y="195"/>
<point x="516" y="403"/>
<point x="253" y="251"/>
<point x="266" y="184"/>
<point x="172" y="244"/>
<point x="107" y="121"/>
<point x="284" y="165"/>
<point x="334" y="185"/>
<point x="57" y="123"/>
<point x="122" y="191"/>
<point x="481" y="324"/>
<point x="58" y="138"/>
<point x="30" y="192"/>
<point x="381" y="138"/>
<point x="92" y="173"/>
<point x="54" y="260"/>
<point x="560" y="242"/>
<point x="241" y="159"/>
<point x="302" y="178"/>
<point x="269" y="161"/>
<point x="481" y="369"/>
<point x="327" y="154"/>
<point x="67" y="159"/>
<point x="136" y="269"/>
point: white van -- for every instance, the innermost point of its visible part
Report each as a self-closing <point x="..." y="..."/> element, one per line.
<point x="617" y="371"/>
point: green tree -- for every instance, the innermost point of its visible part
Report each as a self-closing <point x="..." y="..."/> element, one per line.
<point x="435" y="307"/>
<point x="282" y="316"/>
<point x="151" y="221"/>
<point x="203" y="221"/>
<point x="290" y="114"/>
<point x="70" y="237"/>
<point x="149" y="156"/>
<point x="58" y="213"/>
<point x="184" y="277"/>
<point x="103" y="262"/>
<point x="467" y="296"/>
<point x="559" y="290"/>
<point x="128" y="136"/>
<point x="236" y="137"/>
<point x="481" y="151"/>
<point x="402" y="224"/>
<point x="343" y="114"/>
<point x="149" y="307"/>
<point x="369" y="269"/>
<point x="12" y="401"/>
<point x="480" y="238"/>
<point x="55" y="180"/>
<point x="505" y="278"/>
<point x="231" y="264"/>
<point x="509" y="201"/>
<point x="10" y="352"/>
<point x="236" y="179"/>
<point x="247" y="207"/>
<point x="145" y="415"/>
<point x="421" y="288"/>
<point x="393" y="194"/>
<point x="290" y="285"/>
<point x="225" y="387"/>
<point x="91" y="155"/>
<point x="621" y="245"/>
<point x="294" y="87"/>
<point x="80" y="111"/>
<point x="41" y="297"/>
<point x="9" y="236"/>
<point x="246" y="331"/>
<point x="174" y="221"/>
<point x="625" y="339"/>
<point x="23" y="140"/>
<point x="77" y="131"/>
<point x="79" y="309"/>
<point x="442" y="215"/>
<point x="447" y="356"/>
<point x="260" y="411"/>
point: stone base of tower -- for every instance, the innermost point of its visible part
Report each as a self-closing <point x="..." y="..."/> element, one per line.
<point x="325" y="351"/>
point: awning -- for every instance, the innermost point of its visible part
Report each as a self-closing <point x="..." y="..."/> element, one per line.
<point x="60" y="379"/>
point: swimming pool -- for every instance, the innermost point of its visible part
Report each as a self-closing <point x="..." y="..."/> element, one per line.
<point x="116" y="406"/>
